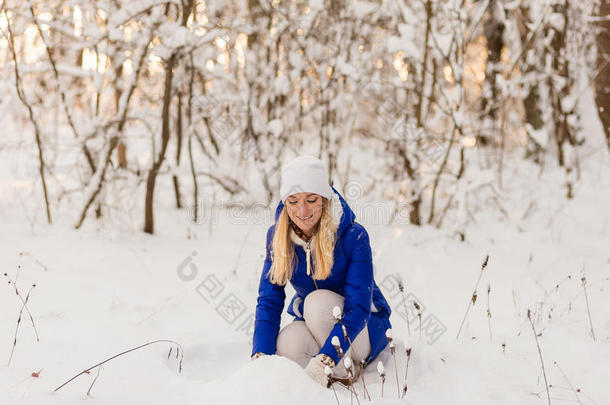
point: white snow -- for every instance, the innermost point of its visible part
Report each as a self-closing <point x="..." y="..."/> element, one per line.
<point x="335" y="341"/>
<point x="275" y="127"/>
<point x="104" y="289"/>
<point x="347" y="361"/>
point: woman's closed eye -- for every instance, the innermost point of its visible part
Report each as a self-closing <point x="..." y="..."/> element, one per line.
<point x="309" y="201"/>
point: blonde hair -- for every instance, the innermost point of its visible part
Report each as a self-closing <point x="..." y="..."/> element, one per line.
<point x="283" y="249"/>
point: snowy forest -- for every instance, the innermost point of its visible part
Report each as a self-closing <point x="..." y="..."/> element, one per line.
<point x="142" y="138"/>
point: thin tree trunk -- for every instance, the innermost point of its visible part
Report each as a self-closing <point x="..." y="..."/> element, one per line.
<point x="149" y="223"/>
<point x="422" y="91"/>
<point x="494" y="29"/>
<point x="560" y="67"/>
<point x="602" y="84"/>
<point x="192" y="133"/>
<point x="37" y="132"/>
<point x="178" y="153"/>
<point x="100" y="183"/>
<point x="437" y="178"/>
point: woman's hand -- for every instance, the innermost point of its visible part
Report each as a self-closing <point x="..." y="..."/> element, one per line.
<point x="316" y="369"/>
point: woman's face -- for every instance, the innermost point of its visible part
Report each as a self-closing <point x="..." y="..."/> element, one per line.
<point x="305" y="210"/>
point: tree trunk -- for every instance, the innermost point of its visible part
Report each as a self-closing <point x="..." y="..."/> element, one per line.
<point x="602" y="83"/>
<point x="149" y="223"/>
<point x="561" y="130"/>
<point x="178" y="153"/>
<point x="532" y="101"/>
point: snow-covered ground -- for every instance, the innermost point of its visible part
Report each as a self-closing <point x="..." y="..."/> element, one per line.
<point x="100" y="291"/>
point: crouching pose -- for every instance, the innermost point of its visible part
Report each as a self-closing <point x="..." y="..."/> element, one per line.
<point x="316" y="245"/>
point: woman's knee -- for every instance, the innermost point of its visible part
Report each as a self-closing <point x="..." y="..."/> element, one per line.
<point x="296" y="343"/>
<point x="319" y="304"/>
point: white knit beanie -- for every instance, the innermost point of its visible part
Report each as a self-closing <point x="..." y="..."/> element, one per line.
<point x="305" y="174"/>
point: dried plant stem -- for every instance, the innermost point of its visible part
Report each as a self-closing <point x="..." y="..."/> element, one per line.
<point x="99" y="369"/>
<point x="353" y="393"/>
<point x="366" y="391"/>
<point x="575" y="391"/>
<point x="360" y="367"/>
<point x="540" y="354"/>
<point x="418" y="308"/>
<point x="24" y="302"/>
<point x="37" y="130"/>
<point x="489" y="312"/>
<point x="473" y="299"/>
<point x="353" y="389"/>
<point x="404" y="387"/>
<point x="396" y="371"/>
<point x="38" y="262"/>
<point x="401" y="287"/>
<point x="122" y="353"/>
<point x="584" y="286"/>
<point x="23" y="305"/>
<point x="335" y="392"/>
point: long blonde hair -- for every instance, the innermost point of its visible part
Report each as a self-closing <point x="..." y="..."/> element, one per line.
<point x="283" y="249"/>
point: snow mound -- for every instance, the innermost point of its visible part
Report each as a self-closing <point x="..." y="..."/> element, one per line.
<point x="268" y="380"/>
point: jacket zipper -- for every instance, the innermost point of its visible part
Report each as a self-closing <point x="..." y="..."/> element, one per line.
<point x="308" y="260"/>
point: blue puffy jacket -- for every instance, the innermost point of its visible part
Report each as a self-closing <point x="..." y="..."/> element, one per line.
<point x="351" y="277"/>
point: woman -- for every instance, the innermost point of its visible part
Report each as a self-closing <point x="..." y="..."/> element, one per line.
<point x="317" y="246"/>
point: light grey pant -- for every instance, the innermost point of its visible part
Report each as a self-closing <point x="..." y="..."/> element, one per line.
<point x="302" y="340"/>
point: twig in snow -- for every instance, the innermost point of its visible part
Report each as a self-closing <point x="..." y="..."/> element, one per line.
<point x="24" y="303"/>
<point x="366" y="391"/>
<point x="337" y="314"/>
<point x="418" y="308"/>
<point x="574" y="390"/>
<point x="404" y="387"/>
<point x="328" y="372"/>
<point x="489" y="311"/>
<point x="584" y="286"/>
<point x="99" y="369"/>
<point x="381" y="371"/>
<point x="38" y="262"/>
<point x="473" y="299"/>
<point x="350" y="377"/>
<point x="86" y="371"/>
<point x="401" y="287"/>
<point x="388" y="335"/>
<point x="529" y="316"/>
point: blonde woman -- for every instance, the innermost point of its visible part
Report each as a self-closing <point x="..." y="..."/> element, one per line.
<point x="316" y="245"/>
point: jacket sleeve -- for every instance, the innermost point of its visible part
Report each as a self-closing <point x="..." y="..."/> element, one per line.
<point x="269" y="306"/>
<point x="358" y="293"/>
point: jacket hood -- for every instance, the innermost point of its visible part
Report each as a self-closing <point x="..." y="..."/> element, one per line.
<point x="342" y="213"/>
